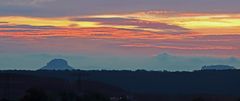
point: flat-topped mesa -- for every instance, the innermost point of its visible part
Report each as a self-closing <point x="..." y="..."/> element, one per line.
<point x="57" y="64"/>
<point x="218" y="67"/>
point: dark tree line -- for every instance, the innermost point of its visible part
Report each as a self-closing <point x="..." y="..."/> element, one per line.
<point x="34" y="94"/>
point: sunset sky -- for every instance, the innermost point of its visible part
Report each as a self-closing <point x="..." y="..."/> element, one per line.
<point x="119" y="28"/>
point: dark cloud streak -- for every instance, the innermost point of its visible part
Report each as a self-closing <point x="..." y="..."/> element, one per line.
<point x="170" y="29"/>
<point x="27" y="26"/>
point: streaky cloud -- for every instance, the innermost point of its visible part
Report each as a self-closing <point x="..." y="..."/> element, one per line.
<point x="140" y="24"/>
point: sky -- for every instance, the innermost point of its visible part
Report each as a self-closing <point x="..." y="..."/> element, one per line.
<point x="133" y="32"/>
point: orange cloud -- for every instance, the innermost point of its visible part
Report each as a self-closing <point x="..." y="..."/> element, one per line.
<point x="150" y="31"/>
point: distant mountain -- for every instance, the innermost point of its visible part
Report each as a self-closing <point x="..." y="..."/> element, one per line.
<point x="57" y="64"/>
<point x="218" y="67"/>
<point x="164" y="56"/>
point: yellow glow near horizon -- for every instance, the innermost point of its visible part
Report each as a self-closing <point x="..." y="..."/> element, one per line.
<point x="207" y="22"/>
<point x="58" y="22"/>
<point x="198" y="22"/>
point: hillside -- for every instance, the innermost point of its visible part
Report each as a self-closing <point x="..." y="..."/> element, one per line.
<point x="141" y="84"/>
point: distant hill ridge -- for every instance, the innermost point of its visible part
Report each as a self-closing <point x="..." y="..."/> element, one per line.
<point x="218" y="67"/>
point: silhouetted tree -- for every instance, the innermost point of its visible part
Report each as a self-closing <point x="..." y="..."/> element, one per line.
<point x="68" y="96"/>
<point x="94" y="97"/>
<point x="35" y="95"/>
<point x="198" y="99"/>
<point x="4" y="99"/>
<point x="124" y="99"/>
<point x="238" y="99"/>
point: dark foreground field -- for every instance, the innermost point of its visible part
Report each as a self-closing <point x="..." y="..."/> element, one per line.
<point x="120" y="86"/>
